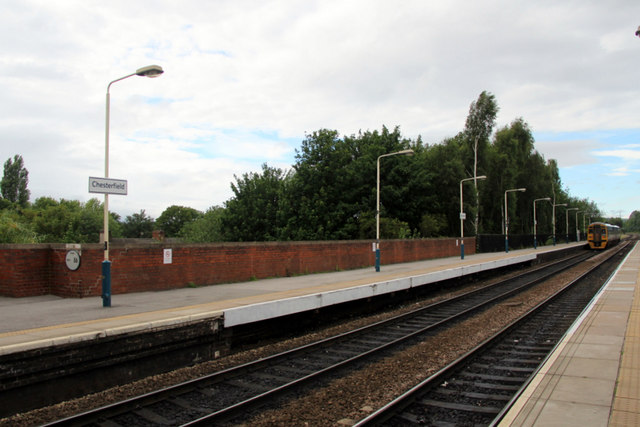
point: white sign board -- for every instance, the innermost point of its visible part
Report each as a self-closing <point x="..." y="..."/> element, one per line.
<point x="168" y="256"/>
<point x="107" y="186"/>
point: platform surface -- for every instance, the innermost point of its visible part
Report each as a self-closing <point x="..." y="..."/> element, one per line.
<point x="593" y="377"/>
<point x="34" y="322"/>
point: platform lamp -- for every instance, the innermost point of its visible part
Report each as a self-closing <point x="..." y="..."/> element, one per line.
<point x="554" y="219"/>
<point x="506" y="217"/>
<point x="397" y="153"/>
<point x="148" y="71"/>
<point x="535" y="221"/>
<point x="566" y="213"/>
<point x="462" y="215"/>
<point x="577" y="227"/>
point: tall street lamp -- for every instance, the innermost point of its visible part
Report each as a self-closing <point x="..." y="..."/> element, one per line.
<point x="462" y="215"/>
<point x="506" y="217"/>
<point x="577" y="227"/>
<point x="566" y="213"/>
<point x="397" y="153"/>
<point x="148" y="71"/>
<point x="535" y="222"/>
<point x="554" y="220"/>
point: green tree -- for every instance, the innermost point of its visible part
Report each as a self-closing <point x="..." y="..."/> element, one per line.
<point x="333" y="190"/>
<point x="478" y="128"/>
<point x="12" y="230"/>
<point x="70" y="221"/>
<point x="14" y="181"/>
<point x="138" y="225"/>
<point x="207" y="228"/>
<point x="253" y="214"/>
<point x="174" y="218"/>
<point x="633" y="223"/>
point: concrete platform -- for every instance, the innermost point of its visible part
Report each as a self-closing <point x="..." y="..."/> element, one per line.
<point x="593" y="376"/>
<point x="28" y="323"/>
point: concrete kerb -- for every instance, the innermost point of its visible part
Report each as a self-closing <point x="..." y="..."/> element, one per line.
<point x="267" y="310"/>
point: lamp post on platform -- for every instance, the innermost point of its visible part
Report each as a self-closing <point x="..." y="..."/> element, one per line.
<point x="535" y="222"/>
<point x="462" y="215"/>
<point x="577" y="227"/>
<point x="506" y="217"/>
<point x="397" y="153"/>
<point x="566" y="213"/>
<point x="148" y="71"/>
<point x="554" y="220"/>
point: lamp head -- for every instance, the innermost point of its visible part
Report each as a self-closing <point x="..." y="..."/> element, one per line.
<point x="151" y="71"/>
<point x="638" y="32"/>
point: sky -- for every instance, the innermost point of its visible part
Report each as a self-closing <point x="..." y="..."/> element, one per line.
<point x="246" y="81"/>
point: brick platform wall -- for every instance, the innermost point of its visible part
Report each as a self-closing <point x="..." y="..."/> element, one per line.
<point x="30" y="270"/>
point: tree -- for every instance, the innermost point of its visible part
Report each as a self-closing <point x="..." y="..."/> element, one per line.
<point x="12" y="230"/>
<point x="14" y="181"/>
<point x="253" y="214"/>
<point x="174" y="218"/>
<point x="70" y="221"/>
<point x="633" y="223"/>
<point x="138" y="225"/>
<point x="478" y="128"/>
<point x="333" y="190"/>
<point x="207" y="228"/>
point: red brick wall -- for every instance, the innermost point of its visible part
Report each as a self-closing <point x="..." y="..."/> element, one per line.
<point x="30" y="270"/>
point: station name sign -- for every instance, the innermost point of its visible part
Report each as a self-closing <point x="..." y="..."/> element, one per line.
<point x="107" y="186"/>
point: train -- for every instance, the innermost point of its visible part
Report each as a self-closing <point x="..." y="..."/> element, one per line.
<point x="601" y="235"/>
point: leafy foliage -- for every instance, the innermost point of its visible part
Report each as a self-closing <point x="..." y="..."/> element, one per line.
<point x="138" y="225"/>
<point x="174" y="218"/>
<point x="13" y="185"/>
<point x="330" y="192"/>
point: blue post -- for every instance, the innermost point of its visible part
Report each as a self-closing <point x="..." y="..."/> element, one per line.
<point x="462" y="249"/>
<point x="535" y="243"/>
<point x="506" y="244"/>
<point x="377" y="259"/>
<point x="106" y="283"/>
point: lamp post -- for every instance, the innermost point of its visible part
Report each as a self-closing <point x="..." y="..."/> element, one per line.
<point x="535" y="222"/>
<point x="148" y="71"/>
<point x="577" y="227"/>
<point x="566" y="213"/>
<point x="506" y="217"/>
<point x="462" y="215"/>
<point x="554" y="220"/>
<point x="397" y="153"/>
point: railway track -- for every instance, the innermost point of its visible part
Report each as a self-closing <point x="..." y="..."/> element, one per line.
<point x="477" y="388"/>
<point x="229" y="394"/>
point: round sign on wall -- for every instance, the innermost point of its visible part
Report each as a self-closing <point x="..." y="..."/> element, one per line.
<point x="72" y="260"/>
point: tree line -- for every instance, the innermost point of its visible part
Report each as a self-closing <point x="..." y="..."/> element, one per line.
<point x="331" y="190"/>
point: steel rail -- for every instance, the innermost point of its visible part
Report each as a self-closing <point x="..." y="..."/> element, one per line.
<point x="141" y="401"/>
<point x="416" y="393"/>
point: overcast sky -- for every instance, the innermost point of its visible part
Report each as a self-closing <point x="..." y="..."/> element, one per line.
<point x="245" y="81"/>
